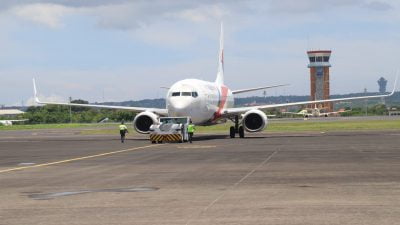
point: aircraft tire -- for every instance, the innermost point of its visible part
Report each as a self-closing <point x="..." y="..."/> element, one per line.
<point x="241" y="132"/>
<point x="232" y="132"/>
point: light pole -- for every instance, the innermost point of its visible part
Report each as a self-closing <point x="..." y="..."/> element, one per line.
<point x="366" y="102"/>
<point x="70" y="110"/>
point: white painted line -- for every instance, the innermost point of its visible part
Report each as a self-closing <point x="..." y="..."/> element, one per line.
<point x="234" y="185"/>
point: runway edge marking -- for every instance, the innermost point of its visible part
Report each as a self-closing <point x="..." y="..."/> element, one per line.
<point x="76" y="159"/>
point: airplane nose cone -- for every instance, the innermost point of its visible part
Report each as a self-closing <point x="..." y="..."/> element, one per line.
<point x="179" y="107"/>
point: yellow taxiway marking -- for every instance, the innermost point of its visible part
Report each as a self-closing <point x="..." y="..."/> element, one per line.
<point x="76" y="159"/>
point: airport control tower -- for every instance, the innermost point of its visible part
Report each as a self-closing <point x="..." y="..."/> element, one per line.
<point x="319" y="77"/>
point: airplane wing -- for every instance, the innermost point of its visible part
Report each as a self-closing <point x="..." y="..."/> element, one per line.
<point x="15" y="120"/>
<point x="291" y="113"/>
<point x="10" y="122"/>
<point x="239" y="110"/>
<point x="257" y="88"/>
<point x="158" y="111"/>
<point x="301" y="112"/>
<point x="337" y="112"/>
<point x="295" y="113"/>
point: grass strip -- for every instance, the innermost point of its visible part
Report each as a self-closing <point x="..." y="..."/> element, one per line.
<point x="290" y="126"/>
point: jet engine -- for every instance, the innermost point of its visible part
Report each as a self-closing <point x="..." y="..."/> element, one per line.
<point x="143" y="121"/>
<point x="254" y="120"/>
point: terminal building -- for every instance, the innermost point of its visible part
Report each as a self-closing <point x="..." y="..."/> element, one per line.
<point x="319" y="78"/>
<point x="10" y="113"/>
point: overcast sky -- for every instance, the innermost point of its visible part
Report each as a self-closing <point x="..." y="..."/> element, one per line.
<point x="125" y="50"/>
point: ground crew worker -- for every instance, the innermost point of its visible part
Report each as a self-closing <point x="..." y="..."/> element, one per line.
<point x="122" y="131"/>
<point x="191" y="128"/>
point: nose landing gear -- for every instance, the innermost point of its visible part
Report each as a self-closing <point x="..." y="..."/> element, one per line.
<point x="236" y="129"/>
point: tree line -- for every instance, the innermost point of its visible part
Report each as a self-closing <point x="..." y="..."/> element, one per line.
<point x="66" y="114"/>
<point x="74" y="114"/>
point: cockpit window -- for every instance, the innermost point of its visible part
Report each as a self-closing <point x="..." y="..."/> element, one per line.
<point x="194" y="94"/>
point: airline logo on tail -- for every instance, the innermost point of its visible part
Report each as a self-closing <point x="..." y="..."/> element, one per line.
<point x="222" y="101"/>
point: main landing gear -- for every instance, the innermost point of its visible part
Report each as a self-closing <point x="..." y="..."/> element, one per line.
<point x="236" y="129"/>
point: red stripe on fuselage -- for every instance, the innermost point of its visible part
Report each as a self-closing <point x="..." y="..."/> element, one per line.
<point x="222" y="101"/>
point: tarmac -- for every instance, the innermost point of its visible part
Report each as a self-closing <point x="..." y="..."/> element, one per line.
<point x="60" y="177"/>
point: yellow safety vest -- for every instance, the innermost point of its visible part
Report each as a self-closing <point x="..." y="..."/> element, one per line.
<point x="122" y="127"/>
<point x="191" y="128"/>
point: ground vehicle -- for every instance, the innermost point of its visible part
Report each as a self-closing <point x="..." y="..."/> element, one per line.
<point x="170" y="129"/>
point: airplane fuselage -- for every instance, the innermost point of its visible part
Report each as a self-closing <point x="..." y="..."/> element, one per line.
<point x="5" y="122"/>
<point x="203" y="101"/>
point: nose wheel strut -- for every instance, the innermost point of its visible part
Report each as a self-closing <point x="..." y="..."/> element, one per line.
<point x="236" y="129"/>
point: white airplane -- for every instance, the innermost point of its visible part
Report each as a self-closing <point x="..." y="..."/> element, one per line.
<point x="315" y="112"/>
<point x="207" y="103"/>
<point x="10" y="122"/>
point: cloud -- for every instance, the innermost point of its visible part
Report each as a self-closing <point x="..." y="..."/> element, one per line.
<point x="67" y="3"/>
<point x="154" y="43"/>
<point x="47" y="14"/>
<point x="164" y="36"/>
<point x="139" y="14"/>
<point x="119" y="14"/>
<point x="202" y="13"/>
<point x="378" y="6"/>
<point x="125" y="15"/>
<point x="315" y="6"/>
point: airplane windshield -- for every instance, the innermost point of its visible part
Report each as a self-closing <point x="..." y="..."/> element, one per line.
<point x="194" y="94"/>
